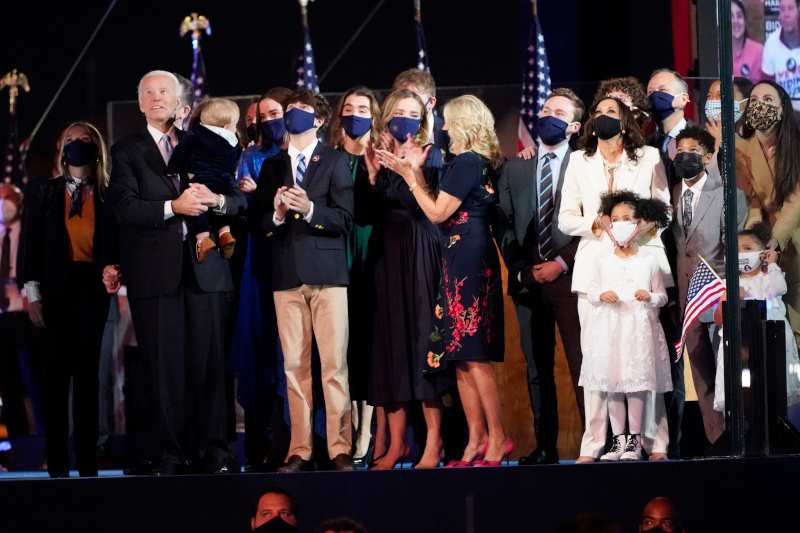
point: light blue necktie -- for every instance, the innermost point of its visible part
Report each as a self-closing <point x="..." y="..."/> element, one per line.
<point x="301" y="168"/>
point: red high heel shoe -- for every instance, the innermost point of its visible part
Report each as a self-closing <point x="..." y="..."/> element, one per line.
<point x="461" y="464"/>
<point x="509" y="449"/>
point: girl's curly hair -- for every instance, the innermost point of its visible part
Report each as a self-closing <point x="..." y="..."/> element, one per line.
<point x="760" y="231"/>
<point x="648" y="209"/>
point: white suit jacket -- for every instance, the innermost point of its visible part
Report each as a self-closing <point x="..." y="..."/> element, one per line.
<point x="584" y="183"/>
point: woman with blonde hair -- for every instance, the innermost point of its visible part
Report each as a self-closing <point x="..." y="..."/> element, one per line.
<point x="67" y="243"/>
<point x="468" y="316"/>
<point x="351" y="129"/>
<point x="403" y="262"/>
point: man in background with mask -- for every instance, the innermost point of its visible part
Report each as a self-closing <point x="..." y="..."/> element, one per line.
<point x="698" y="226"/>
<point x="16" y="331"/>
<point x="184" y="110"/>
<point x="304" y="204"/>
<point x="668" y="93"/>
<point x="275" y="511"/>
<point x="539" y="258"/>
<point x="422" y="83"/>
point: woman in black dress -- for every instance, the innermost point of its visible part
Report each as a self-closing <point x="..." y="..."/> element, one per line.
<point x="468" y="330"/>
<point x="403" y="258"/>
<point x="65" y="235"/>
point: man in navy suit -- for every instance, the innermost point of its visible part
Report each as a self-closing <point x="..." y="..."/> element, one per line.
<point x="305" y="206"/>
<point x="539" y="258"/>
<point x="178" y="305"/>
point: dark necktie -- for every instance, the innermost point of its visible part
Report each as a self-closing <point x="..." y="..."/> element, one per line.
<point x="301" y="168"/>
<point x="5" y="269"/>
<point x="76" y="199"/>
<point x="546" y="207"/>
<point x="687" y="210"/>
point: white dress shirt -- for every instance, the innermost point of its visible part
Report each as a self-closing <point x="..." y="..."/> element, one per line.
<point x="696" y="189"/>
<point x="555" y="167"/>
<point x="293" y="157"/>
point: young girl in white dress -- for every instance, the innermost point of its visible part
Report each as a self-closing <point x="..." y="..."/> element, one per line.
<point x="625" y="352"/>
<point x="760" y="278"/>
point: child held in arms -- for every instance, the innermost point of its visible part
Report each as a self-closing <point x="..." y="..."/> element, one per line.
<point x="208" y="153"/>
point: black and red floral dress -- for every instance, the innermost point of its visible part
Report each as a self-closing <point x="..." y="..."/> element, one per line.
<point x="468" y="316"/>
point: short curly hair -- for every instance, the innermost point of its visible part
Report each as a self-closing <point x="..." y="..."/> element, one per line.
<point x="630" y="86"/>
<point x="760" y="231"/>
<point x="696" y="133"/>
<point x="322" y="109"/>
<point x="648" y="209"/>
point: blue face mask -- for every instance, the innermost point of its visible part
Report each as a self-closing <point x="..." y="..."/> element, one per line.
<point x="551" y="130"/>
<point x="400" y="126"/>
<point x="662" y="104"/>
<point x="298" y="121"/>
<point x="355" y="126"/>
<point x="79" y="153"/>
<point x="274" y="130"/>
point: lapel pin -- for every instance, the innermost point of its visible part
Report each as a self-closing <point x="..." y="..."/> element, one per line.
<point x="315" y="159"/>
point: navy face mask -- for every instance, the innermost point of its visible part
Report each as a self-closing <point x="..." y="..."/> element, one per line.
<point x="79" y="153"/>
<point x="355" y="126"/>
<point x="274" y="130"/>
<point x="298" y="121"/>
<point x="662" y="104"/>
<point x="400" y="126"/>
<point x="551" y="130"/>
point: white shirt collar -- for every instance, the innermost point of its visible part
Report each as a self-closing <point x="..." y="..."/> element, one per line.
<point x="294" y="152"/>
<point x="15" y="227"/>
<point x="697" y="187"/>
<point x="156" y="135"/>
<point x="679" y="127"/>
<point x="560" y="151"/>
<point x="431" y="123"/>
<point x="225" y="134"/>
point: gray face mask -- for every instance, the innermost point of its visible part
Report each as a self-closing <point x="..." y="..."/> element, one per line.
<point x="738" y="111"/>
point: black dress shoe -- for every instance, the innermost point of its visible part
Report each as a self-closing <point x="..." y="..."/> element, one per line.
<point x="296" y="464"/>
<point x="540" y="456"/>
<point x="141" y="470"/>
<point x="168" y="466"/>
<point x="224" y="465"/>
<point x="342" y="462"/>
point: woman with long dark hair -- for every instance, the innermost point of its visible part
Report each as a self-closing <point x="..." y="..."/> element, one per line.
<point x="768" y="171"/>
<point x="351" y="130"/>
<point x="613" y="157"/>
<point x="67" y="243"/>
<point x="747" y="53"/>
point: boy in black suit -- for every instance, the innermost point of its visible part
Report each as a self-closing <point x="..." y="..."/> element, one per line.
<point x="305" y="205"/>
<point x="209" y="154"/>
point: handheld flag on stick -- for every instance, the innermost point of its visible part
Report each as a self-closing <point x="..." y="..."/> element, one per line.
<point x="535" y="83"/>
<point x="705" y="290"/>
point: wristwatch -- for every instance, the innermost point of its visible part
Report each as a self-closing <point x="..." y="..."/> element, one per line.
<point x="221" y="202"/>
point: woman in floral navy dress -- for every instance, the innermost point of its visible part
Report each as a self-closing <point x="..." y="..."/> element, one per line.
<point x="468" y="325"/>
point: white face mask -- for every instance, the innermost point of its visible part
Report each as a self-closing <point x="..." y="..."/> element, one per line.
<point x="8" y="211"/>
<point x="749" y="262"/>
<point x="621" y="230"/>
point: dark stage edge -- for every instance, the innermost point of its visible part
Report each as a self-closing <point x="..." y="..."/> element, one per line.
<point x="752" y="494"/>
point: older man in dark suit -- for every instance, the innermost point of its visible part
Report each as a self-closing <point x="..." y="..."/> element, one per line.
<point x="699" y="228"/>
<point x="305" y="206"/>
<point x="178" y="305"/>
<point x="539" y="258"/>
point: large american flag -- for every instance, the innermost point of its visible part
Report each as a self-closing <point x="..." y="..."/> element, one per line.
<point x="705" y="289"/>
<point x="306" y="67"/>
<point x="535" y="84"/>
<point x="422" y="48"/>
<point x="199" y="72"/>
<point x="14" y="172"/>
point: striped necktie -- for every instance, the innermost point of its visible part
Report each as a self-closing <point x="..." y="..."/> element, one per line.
<point x="301" y="168"/>
<point x="546" y="207"/>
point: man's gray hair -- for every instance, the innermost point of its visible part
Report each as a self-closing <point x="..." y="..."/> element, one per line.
<point x="682" y="82"/>
<point x="166" y="73"/>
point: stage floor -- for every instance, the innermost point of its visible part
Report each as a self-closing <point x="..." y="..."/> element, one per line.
<point x="752" y="494"/>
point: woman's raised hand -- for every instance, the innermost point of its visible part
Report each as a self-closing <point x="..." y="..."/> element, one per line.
<point x="416" y="154"/>
<point x="373" y="163"/>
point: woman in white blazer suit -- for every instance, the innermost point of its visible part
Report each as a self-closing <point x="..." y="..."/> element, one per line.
<point x="613" y="157"/>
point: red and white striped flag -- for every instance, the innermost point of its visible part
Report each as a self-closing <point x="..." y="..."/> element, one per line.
<point x="705" y="290"/>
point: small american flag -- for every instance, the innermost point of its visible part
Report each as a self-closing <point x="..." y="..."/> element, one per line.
<point x="705" y="289"/>
<point x="306" y="67"/>
<point x="535" y="84"/>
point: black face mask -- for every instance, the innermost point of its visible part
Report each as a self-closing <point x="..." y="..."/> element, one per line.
<point x="276" y="525"/>
<point x="688" y="165"/>
<point x="658" y="529"/>
<point x="252" y="129"/>
<point x="605" y="127"/>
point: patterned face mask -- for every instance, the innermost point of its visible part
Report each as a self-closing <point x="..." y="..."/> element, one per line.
<point x="763" y="115"/>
